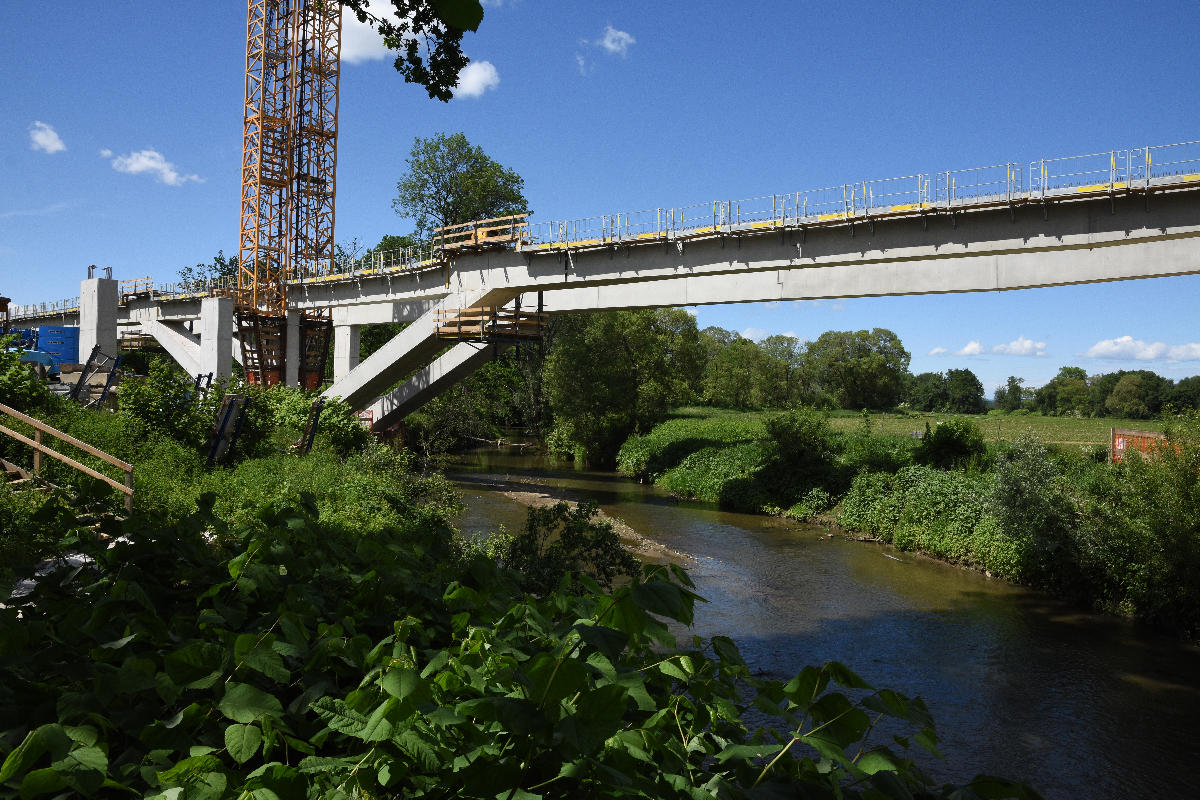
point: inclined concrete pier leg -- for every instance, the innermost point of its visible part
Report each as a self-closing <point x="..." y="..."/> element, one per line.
<point x="291" y="356"/>
<point x="345" y="349"/>
<point x="97" y="316"/>
<point x="216" y="337"/>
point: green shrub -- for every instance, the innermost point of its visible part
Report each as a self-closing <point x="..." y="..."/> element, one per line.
<point x="668" y="444"/>
<point x="559" y="541"/>
<point x="20" y="387"/>
<point x="1030" y="500"/>
<point x="704" y="475"/>
<point x="817" y="501"/>
<point x="876" y="453"/>
<point x="166" y="401"/>
<point x="953" y="444"/>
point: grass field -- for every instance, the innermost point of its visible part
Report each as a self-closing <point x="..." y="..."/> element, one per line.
<point x="995" y="427"/>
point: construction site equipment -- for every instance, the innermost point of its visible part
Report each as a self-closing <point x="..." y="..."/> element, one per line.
<point x="93" y="391"/>
<point x="310" y="429"/>
<point x="60" y="341"/>
<point x="39" y="449"/>
<point x="136" y="289"/>
<point x="289" y="167"/>
<point x="227" y="427"/>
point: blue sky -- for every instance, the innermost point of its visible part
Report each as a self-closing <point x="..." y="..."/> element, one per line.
<point x="121" y="135"/>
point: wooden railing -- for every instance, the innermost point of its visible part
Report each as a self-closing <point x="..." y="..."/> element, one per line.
<point x="40" y="428"/>
<point x="497" y="232"/>
<point x="135" y="288"/>
<point x="487" y="323"/>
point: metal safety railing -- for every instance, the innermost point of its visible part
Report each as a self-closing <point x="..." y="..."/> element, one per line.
<point x="1009" y="182"/>
<point x="1136" y="169"/>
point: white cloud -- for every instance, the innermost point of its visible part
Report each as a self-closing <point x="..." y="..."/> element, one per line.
<point x="755" y="334"/>
<point x="972" y="348"/>
<point x="45" y="138"/>
<point x="1128" y="348"/>
<point x="476" y="78"/>
<point x="616" y="42"/>
<point x="360" y="42"/>
<point x="106" y="153"/>
<point x="584" y="67"/>
<point x="151" y="162"/>
<point x="1021" y="347"/>
<point x="45" y="211"/>
<point x="938" y="351"/>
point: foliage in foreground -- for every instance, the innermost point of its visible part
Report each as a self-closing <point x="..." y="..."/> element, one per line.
<point x="307" y="663"/>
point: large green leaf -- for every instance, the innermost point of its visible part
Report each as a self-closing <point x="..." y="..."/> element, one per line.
<point x="245" y="703"/>
<point x="657" y="597"/>
<point x="50" y="739"/>
<point x="608" y="641"/>
<point x="257" y="653"/>
<point x="242" y="741"/>
<point x="403" y="684"/>
<point x="551" y="679"/>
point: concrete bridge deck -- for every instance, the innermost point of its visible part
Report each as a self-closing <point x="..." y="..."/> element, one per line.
<point x="954" y="232"/>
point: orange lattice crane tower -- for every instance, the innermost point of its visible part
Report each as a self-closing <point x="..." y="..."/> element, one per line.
<point x="289" y="169"/>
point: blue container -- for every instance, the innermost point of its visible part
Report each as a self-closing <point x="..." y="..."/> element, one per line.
<point x="26" y="337"/>
<point x="60" y="342"/>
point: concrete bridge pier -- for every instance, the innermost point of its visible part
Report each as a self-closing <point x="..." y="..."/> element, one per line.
<point x="216" y="337"/>
<point x="212" y="351"/>
<point x="97" y="316"/>
<point x="346" y="339"/>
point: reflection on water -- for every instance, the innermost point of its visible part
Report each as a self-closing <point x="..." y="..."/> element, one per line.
<point x="1020" y="684"/>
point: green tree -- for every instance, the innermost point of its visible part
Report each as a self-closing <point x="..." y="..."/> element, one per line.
<point x="731" y="373"/>
<point x="1066" y="393"/>
<point x="1185" y="393"/>
<point x="926" y="392"/>
<point x="427" y="37"/>
<point x="449" y="181"/>
<point x="964" y="392"/>
<point x="1153" y="391"/>
<point x="611" y="374"/>
<point x="1010" y="397"/>
<point x="202" y="274"/>
<point x="861" y="369"/>
<point x="1127" y="398"/>
<point x="780" y="380"/>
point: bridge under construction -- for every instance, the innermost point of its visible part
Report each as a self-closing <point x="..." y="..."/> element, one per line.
<point x="1118" y="215"/>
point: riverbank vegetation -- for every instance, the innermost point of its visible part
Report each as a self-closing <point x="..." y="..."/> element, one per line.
<point x="1122" y="537"/>
<point x="302" y="626"/>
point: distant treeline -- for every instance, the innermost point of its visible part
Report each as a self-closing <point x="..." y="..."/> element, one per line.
<point x="598" y="378"/>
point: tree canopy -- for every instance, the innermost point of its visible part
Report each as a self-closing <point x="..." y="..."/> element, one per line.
<point x="426" y="35"/>
<point x="615" y="373"/>
<point x="449" y="181"/>
<point x="862" y="369"/>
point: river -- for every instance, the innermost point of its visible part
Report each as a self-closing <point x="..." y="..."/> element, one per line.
<point x="1020" y="685"/>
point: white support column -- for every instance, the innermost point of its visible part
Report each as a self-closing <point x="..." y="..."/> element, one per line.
<point x="97" y="316"/>
<point x="291" y="354"/>
<point x="345" y="349"/>
<point x="216" y="337"/>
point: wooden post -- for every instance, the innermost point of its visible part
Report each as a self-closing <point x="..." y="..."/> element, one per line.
<point x="37" y="453"/>
<point x="129" y="486"/>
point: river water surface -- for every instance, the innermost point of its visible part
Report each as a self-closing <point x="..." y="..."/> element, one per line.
<point x="1020" y="685"/>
